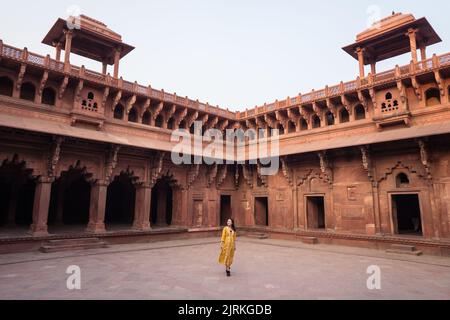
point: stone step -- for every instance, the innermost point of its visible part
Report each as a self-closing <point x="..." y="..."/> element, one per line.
<point x="72" y="245"/>
<point x="404" y="249"/>
<point x="309" y="240"/>
<point x="260" y="236"/>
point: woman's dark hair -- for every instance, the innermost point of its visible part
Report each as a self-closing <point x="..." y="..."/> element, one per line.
<point x="233" y="227"/>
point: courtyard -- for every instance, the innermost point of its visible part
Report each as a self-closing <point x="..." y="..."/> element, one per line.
<point x="187" y="269"/>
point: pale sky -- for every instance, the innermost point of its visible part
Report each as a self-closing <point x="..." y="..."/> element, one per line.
<point x="234" y="53"/>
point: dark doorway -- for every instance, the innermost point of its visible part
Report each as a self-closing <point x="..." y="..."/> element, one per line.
<point x="162" y="203"/>
<point x="120" y="201"/>
<point x="17" y="189"/>
<point x="225" y="210"/>
<point x="406" y="211"/>
<point x="262" y="211"/>
<point x="70" y="199"/>
<point x="315" y="207"/>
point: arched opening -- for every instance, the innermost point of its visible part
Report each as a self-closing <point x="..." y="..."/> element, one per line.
<point x="171" y="124"/>
<point x="120" y="201"/>
<point x="49" y="96"/>
<point x="6" y="86"/>
<point x="146" y="118"/>
<point x="291" y="127"/>
<point x="330" y="119"/>
<point x="17" y="189"/>
<point x="70" y="199"/>
<point x="402" y="180"/>
<point x="159" y="121"/>
<point x="344" y="116"/>
<point x="388" y="96"/>
<point x="119" y="112"/>
<point x="433" y="97"/>
<point x="133" y="116"/>
<point x="316" y="121"/>
<point x="360" y="112"/>
<point x="183" y="124"/>
<point x="303" y="124"/>
<point x="28" y="91"/>
<point x="162" y="203"/>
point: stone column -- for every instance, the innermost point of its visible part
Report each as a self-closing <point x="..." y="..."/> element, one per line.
<point x="373" y="68"/>
<point x="41" y="206"/>
<point x="143" y="205"/>
<point x="413" y="44"/>
<point x="116" y="63"/>
<point x="105" y="68"/>
<point x="68" y="49"/>
<point x="58" y="48"/>
<point x="97" y="208"/>
<point x="360" y="53"/>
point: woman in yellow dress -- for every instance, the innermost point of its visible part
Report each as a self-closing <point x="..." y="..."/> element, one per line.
<point x="228" y="246"/>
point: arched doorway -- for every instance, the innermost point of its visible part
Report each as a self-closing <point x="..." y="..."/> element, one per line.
<point x="70" y="198"/>
<point x="120" y="201"/>
<point x="162" y="202"/>
<point x="17" y="189"/>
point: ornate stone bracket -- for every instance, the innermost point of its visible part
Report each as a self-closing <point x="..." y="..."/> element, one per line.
<point x="157" y="110"/>
<point x="222" y="175"/>
<point x="23" y="69"/>
<point x="416" y="87"/>
<point x="424" y="157"/>
<point x="363" y="100"/>
<point x="116" y="100"/>
<point x="367" y="163"/>
<point x="373" y="97"/>
<point x="63" y="87"/>
<point x="318" y="111"/>
<point x="130" y="103"/>
<point x="105" y="96"/>
<point x="346" y="104"/>
<point x="157" y="168"/>
<point x="180" y="116"/>
<point x="191" y="119"/>
<point x="54" y="156"/>
<point x="248" y="175"/>
<point x="236" y="177"/>
<point x="212" y="123"/>
<point x="78" y="90"/>
<point x="439" y="82"/>
<point x="261" y="177"/>
<point x="325" y="167"/>
<point x="402" y="89"/>
<point x="42" y="83"/>
<point x="111" y="162"/>
<point x="271" y="122"/>
<point x="287" y="173"/>
<point x="193" y="175"/>
<point x="211" y="175"/>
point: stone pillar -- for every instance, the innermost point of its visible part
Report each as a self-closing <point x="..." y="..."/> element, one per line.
<point x="143" y="205"/>
<point x="105" y="68"/>
<point x="373" y="68"/>
<point x="116" y="63"/>
<point x="360" y="53"/>
<point x="58" y="51"/>
<point x="97" y="208"/>
<point x="423" y="53"/>
<point x="68" y="49"/>
<point x="413" y="44"/>
<point x="41" y="206"/>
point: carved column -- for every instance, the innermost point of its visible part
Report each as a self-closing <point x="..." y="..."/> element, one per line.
<point x="58" y="48"/>
<point x="374" y="224"/>
<point x="97" y="207"/>
<point x="68" y="49"/>
<point x="116" y="62"/>
<point x="41" y="206"/>
<point x="413" y="44"/>
<point x="143" y="205"/>
<point x="360" y="53"/>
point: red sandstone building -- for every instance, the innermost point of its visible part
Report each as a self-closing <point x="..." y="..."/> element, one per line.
<point x="364" y="162"/>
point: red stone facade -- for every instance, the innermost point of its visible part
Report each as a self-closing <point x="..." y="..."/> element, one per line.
<point x="364" y="160"/>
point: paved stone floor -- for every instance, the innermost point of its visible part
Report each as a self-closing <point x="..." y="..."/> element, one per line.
<point x="264" y="269"/>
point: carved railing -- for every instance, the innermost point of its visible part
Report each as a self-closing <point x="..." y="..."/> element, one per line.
<point x="379" y="78"/>
<point x="23" y="56"/>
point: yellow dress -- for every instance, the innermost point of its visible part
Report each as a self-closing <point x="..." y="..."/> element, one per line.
<point x="228" y="247"/>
